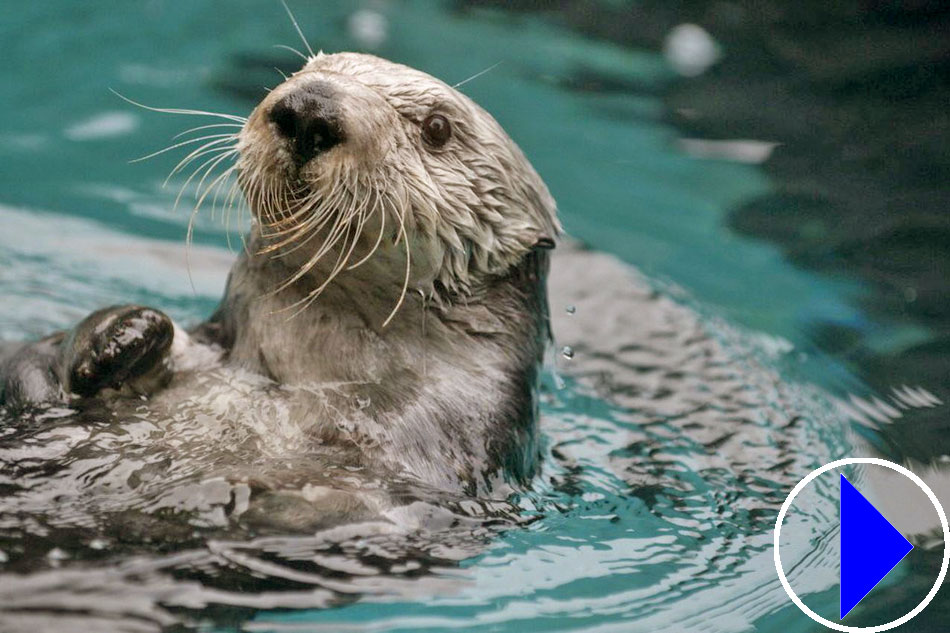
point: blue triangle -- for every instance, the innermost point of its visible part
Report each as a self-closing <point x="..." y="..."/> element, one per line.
<point x="870" y="547"/>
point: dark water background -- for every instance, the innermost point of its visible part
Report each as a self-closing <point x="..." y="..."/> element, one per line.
<point x="855" y="94"/>
<point x="795" y="303"/>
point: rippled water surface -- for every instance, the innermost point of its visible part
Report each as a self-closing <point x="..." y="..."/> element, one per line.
<point x="686" y="396"/>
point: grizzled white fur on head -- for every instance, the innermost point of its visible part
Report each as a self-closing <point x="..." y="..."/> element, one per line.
<point x="355" y="158"/>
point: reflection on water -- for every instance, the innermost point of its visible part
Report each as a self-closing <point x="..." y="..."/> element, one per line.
<point x="671" y="435"/>
<point x="669" y="452"/>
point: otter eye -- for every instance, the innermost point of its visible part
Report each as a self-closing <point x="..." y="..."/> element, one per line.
<point x="436" y="130"/>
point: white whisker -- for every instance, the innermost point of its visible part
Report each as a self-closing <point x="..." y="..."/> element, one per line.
<point x="292" y="50"/>
<point x="204" y="150"/>
<point x="312" y="296"/>
<point x="227" y="117"/>
<point x="297" y="26"/>
<point x="216" y="185"/>
<point x="379" y="238"/>
<point x="189" y="236"/>
<point x="182" y="144"/>
<point x="405" y="284"/>
<point x="477" y="75"/>
<point x="215" y="157"/>
<point x="205" y="127"/>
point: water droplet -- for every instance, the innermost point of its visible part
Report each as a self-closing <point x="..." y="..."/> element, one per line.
<point x="369" y="28"/>
<point x="56" y="554"/>
<point x="98" y="543"/>
<point x="571" y="309"/>
<point x="567" y="352"/>
<point x="3" y="556"/>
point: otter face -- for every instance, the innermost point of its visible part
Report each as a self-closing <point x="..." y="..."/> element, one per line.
<point x="356" y="161"/>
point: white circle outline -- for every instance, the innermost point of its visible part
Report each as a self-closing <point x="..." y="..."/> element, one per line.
<point x="877" y="462"/>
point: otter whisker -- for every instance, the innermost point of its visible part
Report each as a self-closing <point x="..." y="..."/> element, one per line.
<point x="208" y="148"/>
<point x="317" y="209"/>
<point x="273" y="227"/>
<point x="356" y="238"/>
<point x="356" y="210"/>
<point x="198" y="190"/>
<point x="297" y="26"/>
<point x="312" y="296"/>
<point x="216" y="141"/>
<point x="229" y="207"/>
<point x="207" y="127"/>
<point x="293" y="50"/>
<point x="201" y="195"/>
<point x="379" y="238"/>
<point x="272" y="205"/>
<point x="234" y="199"/>
<point x="405" y="284"/>
<point x="296" y="232"/>
<point x="206" y="167"/>
<point x="189" y="237"/>
<point x="215" y="154"/>
<point x="314" y="208"/>
<point x="345" y="222"/>
<point x="279" y="233"/>
<point x="216" y="186"/>
<point x="342" y="228"/>
<point x="331" y="209"/>
<point x="478" y="74"/>
<point x="401" y="216"/>
<point x="337" y="184"/>
<point x="227" y="117"/>
<point x="213" y="161"/>
<point x="292" y="205"/>
<point x="339" y="223"/>
<point x="270" y="202"/>
<point x="182" y="144"/>
<point x="342" y="259"/>
<point x="255" y="191"/>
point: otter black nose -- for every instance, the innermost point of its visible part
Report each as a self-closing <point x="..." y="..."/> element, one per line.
<point x="310" y="119"/>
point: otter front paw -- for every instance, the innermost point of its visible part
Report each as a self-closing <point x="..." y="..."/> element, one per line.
<point x="115" y="348"/>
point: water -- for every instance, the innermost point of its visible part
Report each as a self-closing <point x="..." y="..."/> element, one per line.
<point x="695" y="393"/>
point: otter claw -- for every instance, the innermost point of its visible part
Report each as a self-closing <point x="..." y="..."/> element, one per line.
<point x="115" y="347"/>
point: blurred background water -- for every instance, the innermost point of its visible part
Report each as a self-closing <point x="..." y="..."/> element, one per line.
<point x="776" y="171"/>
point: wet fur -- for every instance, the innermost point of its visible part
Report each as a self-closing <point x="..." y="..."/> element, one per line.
<point x="401" y="286"/>
<point x="446" y="393"/>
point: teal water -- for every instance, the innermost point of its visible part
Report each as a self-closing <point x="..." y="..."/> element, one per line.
<point x="683" y="422"/>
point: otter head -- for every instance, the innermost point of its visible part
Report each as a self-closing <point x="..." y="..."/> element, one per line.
<point x="357" y="162"/>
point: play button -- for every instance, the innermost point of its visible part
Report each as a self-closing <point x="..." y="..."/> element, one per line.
<point x="870" y="547"/>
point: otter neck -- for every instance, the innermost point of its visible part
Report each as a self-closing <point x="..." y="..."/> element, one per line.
<point x="338" y="336"/>
<point x="446" y="376"/>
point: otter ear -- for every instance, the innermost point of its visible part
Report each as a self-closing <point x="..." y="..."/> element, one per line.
<point x="544" y="243"/>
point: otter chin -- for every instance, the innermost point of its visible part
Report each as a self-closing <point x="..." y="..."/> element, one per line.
<point x="392" y="285"/>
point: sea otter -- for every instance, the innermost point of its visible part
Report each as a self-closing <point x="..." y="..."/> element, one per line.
<point x="391" y="291"/>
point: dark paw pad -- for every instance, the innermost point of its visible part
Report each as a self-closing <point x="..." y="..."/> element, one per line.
<point x="116" y="346"/>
